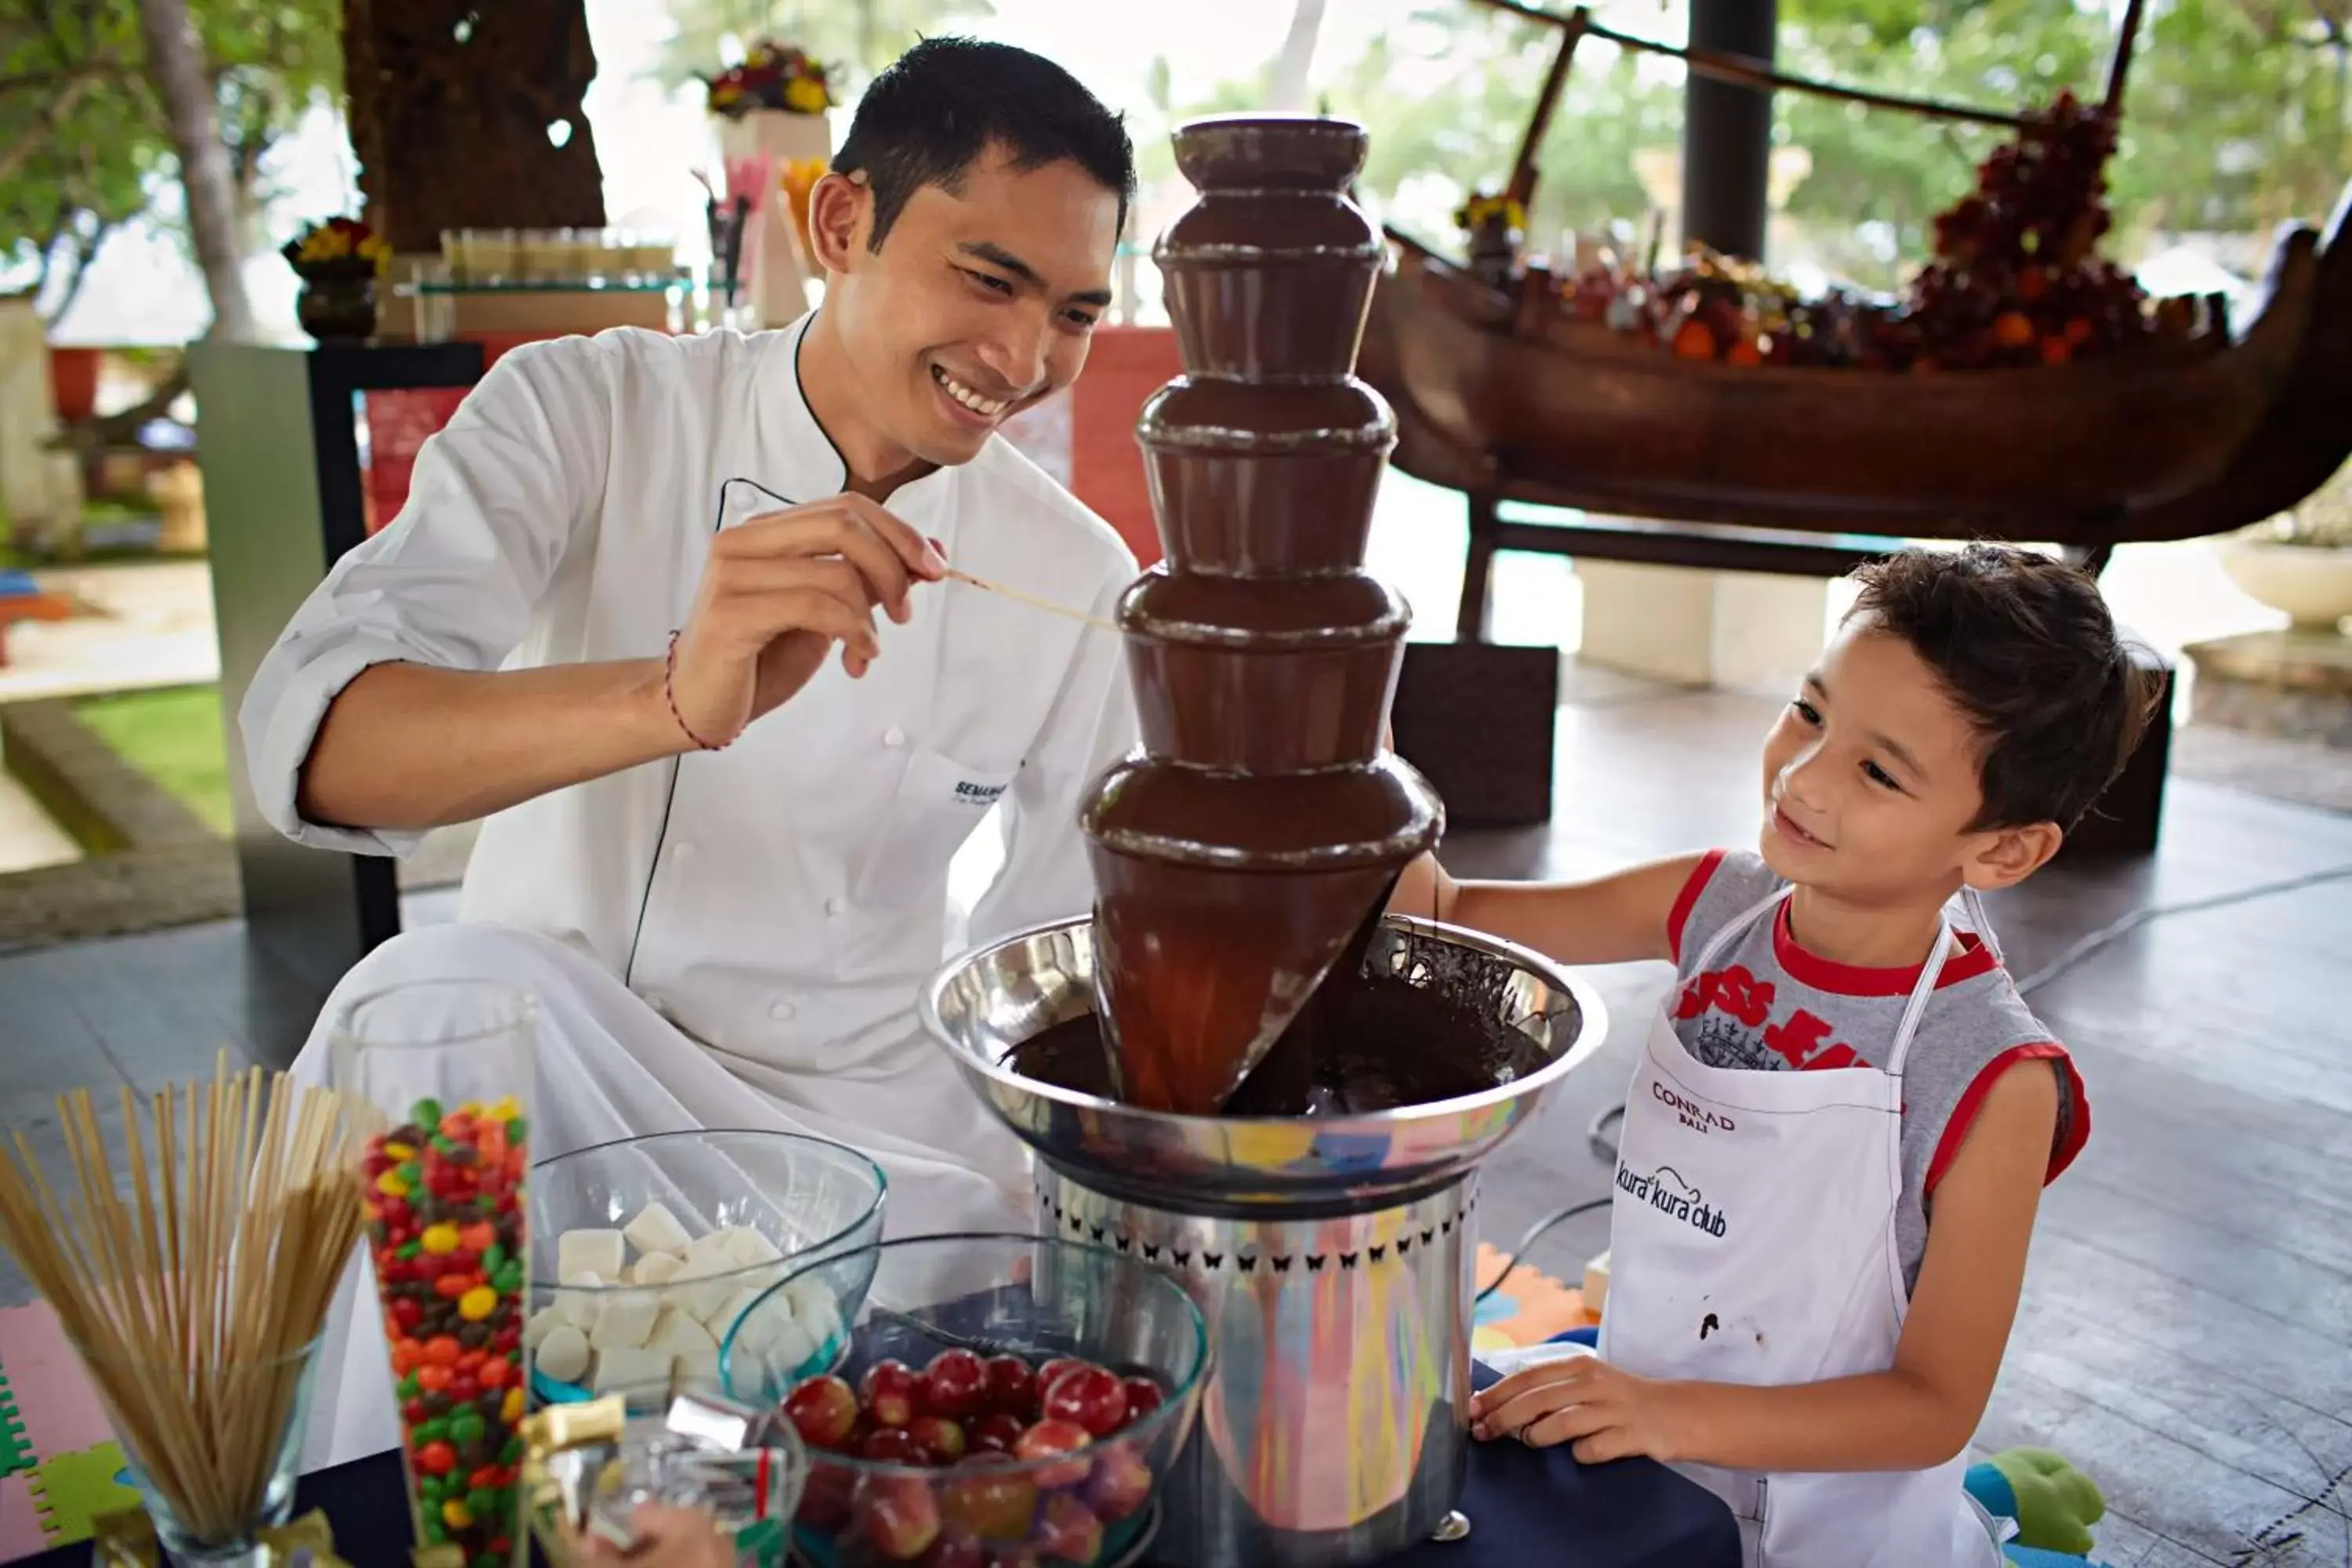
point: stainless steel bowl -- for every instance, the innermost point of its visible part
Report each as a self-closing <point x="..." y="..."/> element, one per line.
<point x="987" y="1003"/>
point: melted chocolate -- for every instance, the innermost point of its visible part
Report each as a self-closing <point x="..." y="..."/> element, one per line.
<point x="1247" y="852"/>
<point x="1383" y="1044"/>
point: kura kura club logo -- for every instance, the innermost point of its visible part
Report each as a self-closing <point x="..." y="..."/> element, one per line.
<point x="1665" y="1190"/>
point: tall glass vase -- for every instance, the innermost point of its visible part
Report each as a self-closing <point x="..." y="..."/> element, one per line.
<point x="446" y="1067"/>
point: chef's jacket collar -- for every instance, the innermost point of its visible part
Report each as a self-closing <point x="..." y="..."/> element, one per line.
<point x="814" y="467"/>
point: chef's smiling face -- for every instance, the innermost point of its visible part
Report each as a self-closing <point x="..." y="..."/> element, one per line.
<point x="978" y="303"/>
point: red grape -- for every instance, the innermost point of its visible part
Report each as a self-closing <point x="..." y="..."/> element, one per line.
<point x="822" y="1410"/>
<point x="1048" y="1439"/>
<point x="1089" y="1396"/>
<point x="955" y="1384"/>
<point x="889" y="1391"/>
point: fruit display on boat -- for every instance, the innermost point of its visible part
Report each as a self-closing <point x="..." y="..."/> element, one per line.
<point x="974" y="1462"/>
<point x="2016" y="279"/>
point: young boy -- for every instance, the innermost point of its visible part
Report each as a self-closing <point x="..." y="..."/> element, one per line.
<point x="1839" y="1130"/>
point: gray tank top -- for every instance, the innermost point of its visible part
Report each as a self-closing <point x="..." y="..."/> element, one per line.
<point x="1767" y="1005"/>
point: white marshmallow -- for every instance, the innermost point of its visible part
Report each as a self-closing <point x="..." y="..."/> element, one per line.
<point x="697" y="1369"/>
<point x="680" y="1335"/>
<point x="563" y="1354"/>
<point x="633" y="1370"/>
<point x="578" y="1301"/>
<point x="789" y="1350"/>
<point x="655" y="1229"/>
<point x="749" y="1247"/>
<point x="713" y="1248"/>
<point x="732" y="1305"/>
<point x="813" y="1309"/>
<point x="598" y="1252"/>
<point x="655" y="1269"/>
<point x="539" y="1324"/>
<point x="627" y="1321"/>
<point x="701" y="1301"/>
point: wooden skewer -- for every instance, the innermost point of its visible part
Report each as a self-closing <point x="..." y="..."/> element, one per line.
<point x="1034" y="603"/>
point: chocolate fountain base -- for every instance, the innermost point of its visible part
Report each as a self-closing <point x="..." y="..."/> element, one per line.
<point x="1331" y="1253"/>
<point x="1333" y="1429"/>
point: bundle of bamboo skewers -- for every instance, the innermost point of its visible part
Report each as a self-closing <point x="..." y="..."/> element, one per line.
<point x="194" y="1297"/>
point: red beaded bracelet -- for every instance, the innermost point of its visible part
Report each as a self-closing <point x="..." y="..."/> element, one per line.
<point x="669" y="692"/>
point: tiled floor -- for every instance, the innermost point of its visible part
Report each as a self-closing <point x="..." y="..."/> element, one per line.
<point x="2187" y="1336"/>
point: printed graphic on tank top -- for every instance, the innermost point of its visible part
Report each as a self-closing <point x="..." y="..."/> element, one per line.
<point x="1766" y="1004"/>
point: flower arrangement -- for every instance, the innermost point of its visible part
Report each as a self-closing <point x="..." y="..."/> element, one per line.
<point x="338" y="247"/>
<point x="772" y="76"/>
<point x="1485" y="209"/>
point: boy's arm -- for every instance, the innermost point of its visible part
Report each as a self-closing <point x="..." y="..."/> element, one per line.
<point x="1616" y="919"/>
<point x="1914" y="1417"/>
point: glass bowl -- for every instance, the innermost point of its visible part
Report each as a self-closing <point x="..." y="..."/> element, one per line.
<point x="1078" y="1485"/>
<point x="748" y="1207"/>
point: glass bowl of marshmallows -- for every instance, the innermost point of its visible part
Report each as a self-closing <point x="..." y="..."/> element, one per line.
<point x="644" y="1253"/>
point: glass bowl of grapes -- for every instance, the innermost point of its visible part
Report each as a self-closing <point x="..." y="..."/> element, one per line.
<point x="980" y="1401"/>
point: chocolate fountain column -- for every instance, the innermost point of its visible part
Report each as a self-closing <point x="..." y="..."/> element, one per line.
<point x="1238" y="853"/>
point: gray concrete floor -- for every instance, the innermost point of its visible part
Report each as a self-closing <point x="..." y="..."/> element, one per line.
<point x="2186" y="1332"/>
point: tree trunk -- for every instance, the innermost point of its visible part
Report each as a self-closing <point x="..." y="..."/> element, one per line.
<point x="175" y="60"/>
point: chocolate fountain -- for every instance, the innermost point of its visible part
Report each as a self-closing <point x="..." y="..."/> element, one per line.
<point x="1237" y="1068"/>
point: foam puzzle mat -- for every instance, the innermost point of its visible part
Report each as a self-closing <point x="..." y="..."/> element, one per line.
<point x="60" y="1466"/>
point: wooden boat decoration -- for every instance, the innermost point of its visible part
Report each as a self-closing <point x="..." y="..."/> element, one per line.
<point x="1501" y="392"/>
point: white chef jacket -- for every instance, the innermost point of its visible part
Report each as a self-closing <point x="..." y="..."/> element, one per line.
<point x="782" y="900"/>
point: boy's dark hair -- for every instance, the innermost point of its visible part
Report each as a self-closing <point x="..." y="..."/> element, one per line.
<point x="936" y="108"/>
<point x="2024" y="645"/>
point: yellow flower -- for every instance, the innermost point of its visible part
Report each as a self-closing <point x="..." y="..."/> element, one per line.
<point x="806" y="95"/>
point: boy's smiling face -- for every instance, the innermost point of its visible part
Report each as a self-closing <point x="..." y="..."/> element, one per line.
<point x="1871" y="791"/>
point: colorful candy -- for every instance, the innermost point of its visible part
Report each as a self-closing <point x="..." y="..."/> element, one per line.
<point x="446" y="1235"/>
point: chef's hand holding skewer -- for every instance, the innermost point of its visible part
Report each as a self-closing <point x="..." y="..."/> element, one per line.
<point x="778" y="593"/>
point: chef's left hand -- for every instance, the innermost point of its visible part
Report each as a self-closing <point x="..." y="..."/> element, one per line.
<point x="1600" y="1411"/>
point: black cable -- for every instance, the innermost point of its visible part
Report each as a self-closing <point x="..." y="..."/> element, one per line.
<point x="2107" y="935"/>
<point x="1604" y="1147"/>
<point x="1535" y="1233"/>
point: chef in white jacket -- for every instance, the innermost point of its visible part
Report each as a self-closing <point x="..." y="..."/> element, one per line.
<point x="671" y="615"/>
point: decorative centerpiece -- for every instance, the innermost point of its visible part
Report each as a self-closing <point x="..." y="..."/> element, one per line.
<point x="339" y="262"/>
<point x="1494" y="226"/>
<point x="1237" y="1070"/>
<point x="776" y="139"/>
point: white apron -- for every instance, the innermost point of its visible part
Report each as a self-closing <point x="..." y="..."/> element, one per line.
<point x="1753" y="1242"/>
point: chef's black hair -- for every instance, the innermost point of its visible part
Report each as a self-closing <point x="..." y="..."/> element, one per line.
<point x="936" y="109"/>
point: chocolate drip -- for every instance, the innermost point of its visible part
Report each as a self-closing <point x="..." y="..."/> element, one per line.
<point x="1244" y="854"/>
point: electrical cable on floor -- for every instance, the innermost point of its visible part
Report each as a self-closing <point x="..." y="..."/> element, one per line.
<point x="2109" y="933"/>
<point x="1604" y="1147"/>
<point x="1535" y="1233"/>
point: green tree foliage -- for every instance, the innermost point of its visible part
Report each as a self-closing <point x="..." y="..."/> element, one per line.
<point x="2234" y="120"/>
<point x="2236" y="117"/>
<point x="1447" y="98"/>
<point x="860" y="35"/>
<point x="83" y="142"/>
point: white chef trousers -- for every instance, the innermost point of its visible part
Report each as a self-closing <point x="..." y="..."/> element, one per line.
<point x="610" y="1067"/>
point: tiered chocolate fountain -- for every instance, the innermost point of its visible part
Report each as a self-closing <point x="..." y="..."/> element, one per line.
<point x="1236" y="1068"/>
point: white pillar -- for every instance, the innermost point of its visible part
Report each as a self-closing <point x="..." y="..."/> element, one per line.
<point x="1742" y="631"/>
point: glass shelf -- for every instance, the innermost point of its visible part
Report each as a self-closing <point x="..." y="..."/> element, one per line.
<point x="550" y="285"/>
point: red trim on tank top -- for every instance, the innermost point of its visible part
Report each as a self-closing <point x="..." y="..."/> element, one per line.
<point x="1972" y="960"/>
<point x="1687" y="899"/>
<point x="2075" y="1133"/>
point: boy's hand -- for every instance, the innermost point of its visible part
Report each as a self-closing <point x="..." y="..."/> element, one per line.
<point x="1601" y="1412"/>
